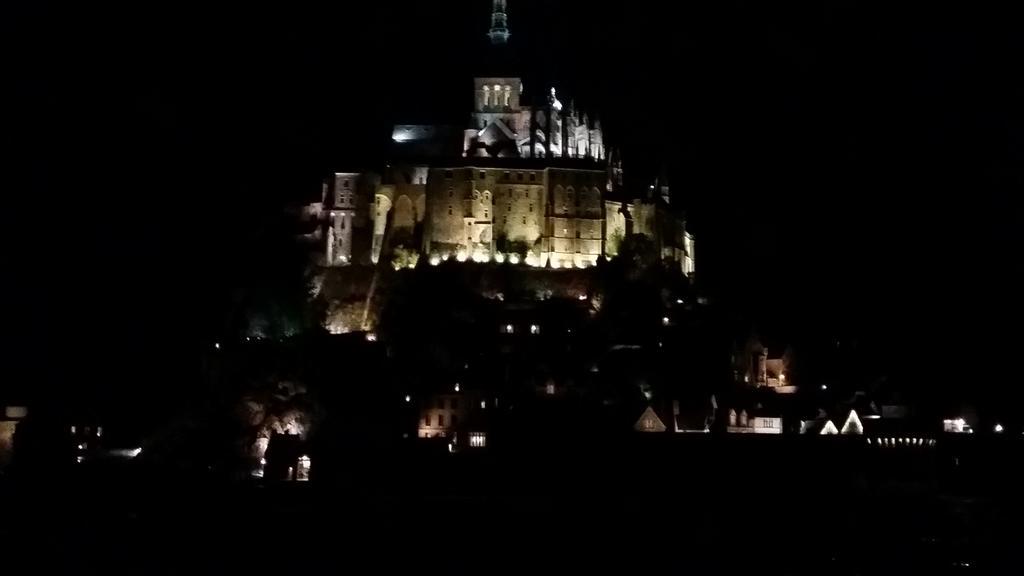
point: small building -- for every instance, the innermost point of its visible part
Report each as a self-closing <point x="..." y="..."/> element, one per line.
<point x="460" y="418"/>
<point x="696" y="414"/>
<point x="755" y="421"/>
<point x="755" y="367"/>
<point x="11" y="416"/>
<point x="649" y="421"/>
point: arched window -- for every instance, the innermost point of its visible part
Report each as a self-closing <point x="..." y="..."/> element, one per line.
<point x="487" y="96"/>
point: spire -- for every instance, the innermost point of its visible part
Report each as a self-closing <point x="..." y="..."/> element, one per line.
<point x="499" y="24"/>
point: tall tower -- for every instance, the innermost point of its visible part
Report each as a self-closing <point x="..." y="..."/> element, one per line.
<point x="499" y="24"/>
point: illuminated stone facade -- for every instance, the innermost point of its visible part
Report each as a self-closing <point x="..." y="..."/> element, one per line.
<point x="528" y="180"/>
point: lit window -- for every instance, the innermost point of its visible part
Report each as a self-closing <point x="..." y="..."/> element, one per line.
<point x="302" y="474"/>
<point x="550" y="389"/>
<point x="534" y="329"/>
<point x="508" y="94"/>
<point x="477" y="439"/>
<point x="509" y="329"/>
<point x="665" y="321"/>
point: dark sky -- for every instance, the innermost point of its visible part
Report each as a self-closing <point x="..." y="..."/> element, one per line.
<point x="850" y="168"/>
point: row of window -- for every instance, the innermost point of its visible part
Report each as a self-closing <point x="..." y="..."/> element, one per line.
<point x="453" y="403"/>
<point x="500" y="96"/>
<point x="454" y="421"/>
<point x="508" y="175"/>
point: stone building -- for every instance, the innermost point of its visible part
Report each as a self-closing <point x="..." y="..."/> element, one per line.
<point x="527" y="180"/>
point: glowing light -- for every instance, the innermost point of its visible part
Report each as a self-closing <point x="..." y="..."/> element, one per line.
<point x="483" y="404"/>
<point x="665" y="321"/>
<point x="509" y="329"/>
<point x="477" y="439"/>
<point x="81" y="446"/>
<point x="73" y="429"/>
<point x="581" y="297"/>
<point x="824" y="386"/>
<point x="79" y="459"/>
<point x="499" y="257"/>
<point x="456" y="386"/>
<point x="451" y="448"/>
<point x="534" y="329"/>
<point x="852" y="424"/>
<point x="302" y="474"/>
<point x="679" y="301"/>
<point x="462" y="256"/>
<point x="782" y="377"/>
<point x="513" y="258"/>
<point x="371" y="337"/>
<point x="435" y="260"/>
<point x="408" y="398"/>
<point x="998" y="428"/>
<point x="216" y="345"/>
<point x="445" y="257"/>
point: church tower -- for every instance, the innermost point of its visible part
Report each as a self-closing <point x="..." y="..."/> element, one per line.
<point x="499" y="24"/>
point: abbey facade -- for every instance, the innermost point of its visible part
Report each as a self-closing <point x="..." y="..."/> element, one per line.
<point x="528" y="180"/>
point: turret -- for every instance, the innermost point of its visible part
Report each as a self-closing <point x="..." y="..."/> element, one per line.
<point x="499" y="24"/>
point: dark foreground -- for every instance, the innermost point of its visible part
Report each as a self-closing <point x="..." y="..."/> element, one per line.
<point x="704" y="506"/>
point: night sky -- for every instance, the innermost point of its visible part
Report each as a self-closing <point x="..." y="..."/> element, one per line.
<point x="852" y="171"/>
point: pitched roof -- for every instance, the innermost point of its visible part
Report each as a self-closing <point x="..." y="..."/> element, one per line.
<point x="649" y="421"/>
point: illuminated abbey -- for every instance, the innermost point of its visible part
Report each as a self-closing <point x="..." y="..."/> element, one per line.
<point x="529" y="179"/>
